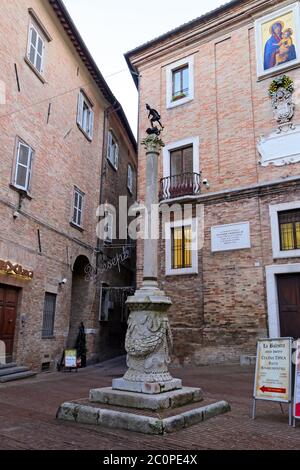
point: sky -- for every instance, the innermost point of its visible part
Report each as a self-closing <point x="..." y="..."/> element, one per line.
<point x="112" y="27"/>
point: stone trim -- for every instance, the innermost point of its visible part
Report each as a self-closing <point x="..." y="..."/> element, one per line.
<point x="168" y="249"/>
<point x="194" y="141"/>
<point x="189" y="61"/>
<point x="275" y="232"/>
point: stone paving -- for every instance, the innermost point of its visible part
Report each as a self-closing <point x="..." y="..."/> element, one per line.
<point x="28" y="408"/>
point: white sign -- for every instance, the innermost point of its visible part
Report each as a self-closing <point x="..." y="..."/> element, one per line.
<point x="230" y="237"/>
<point x="71" y="358"/>
<point x="278" y="149"/>
<point x="273" y="370"/>
<point x="297" y="382"/>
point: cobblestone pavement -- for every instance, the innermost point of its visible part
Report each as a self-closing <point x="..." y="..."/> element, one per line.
<point x="28" y="408"/>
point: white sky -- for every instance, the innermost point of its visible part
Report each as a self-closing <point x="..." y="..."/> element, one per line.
<point x="111" y="28"/>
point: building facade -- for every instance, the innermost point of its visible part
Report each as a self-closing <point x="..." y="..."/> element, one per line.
<point x="227" y="87"/>
<point x="56" y="116"/>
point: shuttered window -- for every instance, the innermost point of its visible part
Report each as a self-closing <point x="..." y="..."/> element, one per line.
<point x="36" y="48"/>
<point x="113" y="150"/>
<point x="289" y="224"/>
<point x="23" y="166"/>
<point x="49" y="315"/>
<point x="130" y="178"/>
<point x="77" y="217"/>
<point x="85" y="115"/>
<point x="181" y="247"/>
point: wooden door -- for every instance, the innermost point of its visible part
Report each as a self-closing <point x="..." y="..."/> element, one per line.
<point x="288" y="286"/>
<point x="8" y="315"/>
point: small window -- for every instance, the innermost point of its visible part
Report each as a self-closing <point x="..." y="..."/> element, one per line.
<point x="23" y="166"/>
<point x="49" y="315"/>
<point x="77" y="217"/>
<point x="36" y="48"/>
<point x="109" y="227"/>
<point x="180" y="83"/>
<point x="105" y="303"/>
<point x="289" y="226"/>
<point x="130" y="178"/>
<point x="113" y="150"/>
<point x="85" y="115"/>
<point x="181" y="245"/>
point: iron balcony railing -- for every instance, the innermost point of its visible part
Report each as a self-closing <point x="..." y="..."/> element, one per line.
<point x="186" y="184"/>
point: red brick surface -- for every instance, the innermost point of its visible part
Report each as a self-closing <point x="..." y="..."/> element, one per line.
<point x="27" y="414"/>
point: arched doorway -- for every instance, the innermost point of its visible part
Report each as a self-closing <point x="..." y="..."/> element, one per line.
<point x="80" y="300"/>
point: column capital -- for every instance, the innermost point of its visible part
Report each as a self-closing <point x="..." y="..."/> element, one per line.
<point x="153" y="143"/>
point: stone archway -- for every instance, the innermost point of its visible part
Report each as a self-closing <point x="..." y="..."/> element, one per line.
<point x="80" y="300"/>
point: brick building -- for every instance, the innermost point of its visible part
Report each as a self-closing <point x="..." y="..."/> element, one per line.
<point x="233" y="150"/>
<point x="57" y="116"/>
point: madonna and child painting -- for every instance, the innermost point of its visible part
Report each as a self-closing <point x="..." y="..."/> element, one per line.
<point x="277" y="39"/>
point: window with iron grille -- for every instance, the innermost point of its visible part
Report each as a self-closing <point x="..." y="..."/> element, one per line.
<point x="23" y="166"/>
<point x="180" y="82"/>
<point x="77" y="218"/>
<point x="289" y="226"/>
<point x="49" y="315"/>
<point x="181" y="239"/>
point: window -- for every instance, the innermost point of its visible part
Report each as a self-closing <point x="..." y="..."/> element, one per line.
<point x="49" y="315"/>
<point x="289" y="224"/>
<point x="285" y="229"/>
<point x="180" y="82"/>
<point x="113" y="150"/>
<point x="85" y="116"/>
<point x="181" y="247"/>
<point x="36" y="48"/>
<point x="105" y="303"/>
<point x="130" y="178"/>
<point x="77" y="217"/>
<point x="181" y="161"/>
<point x="109" y="227"/>
<point x="23" y="166"/>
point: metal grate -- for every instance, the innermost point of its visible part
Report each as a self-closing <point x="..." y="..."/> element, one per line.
<point x="289" y="223"/>
<point x="49" y="315"/>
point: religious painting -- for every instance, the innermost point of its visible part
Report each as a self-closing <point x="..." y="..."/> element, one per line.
<point x="278" y="40"/>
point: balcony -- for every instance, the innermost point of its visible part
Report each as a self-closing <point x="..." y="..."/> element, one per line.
<point x="186" y="184"/>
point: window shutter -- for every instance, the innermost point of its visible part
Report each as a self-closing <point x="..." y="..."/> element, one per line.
<point x="80" y="109"/>
<point x="91" y="126"/>
<point x="30" y="156"/>
<point x="109" y="146"/>
<point x="116" y="162"/>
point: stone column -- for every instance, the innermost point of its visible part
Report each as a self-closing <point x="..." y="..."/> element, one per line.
<point x="149" y="336"/>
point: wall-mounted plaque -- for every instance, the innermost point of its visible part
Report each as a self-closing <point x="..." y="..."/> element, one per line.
<point x="230" y="237"/>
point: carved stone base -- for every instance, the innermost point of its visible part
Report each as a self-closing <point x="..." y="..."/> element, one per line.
<point x="148" y="341"/>
<point x="150" y="388"/>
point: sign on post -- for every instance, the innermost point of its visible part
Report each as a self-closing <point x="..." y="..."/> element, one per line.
<point x="273" y="372"/>
<point x="297" y="383"/>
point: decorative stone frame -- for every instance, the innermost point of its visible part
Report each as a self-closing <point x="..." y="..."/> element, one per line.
<point x="194" y="141"/>
<point x="189" y="61"/>
<point x="272" y="295"/>
<point x="168" y="249"/>
<point x="261" y="73"/>
<point x="275" y="232"/>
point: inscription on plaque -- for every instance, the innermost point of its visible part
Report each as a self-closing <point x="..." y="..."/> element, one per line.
<point x="230" y="237"/>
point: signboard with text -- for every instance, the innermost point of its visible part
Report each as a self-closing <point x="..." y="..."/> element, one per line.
<point x="297" y="382"/>
<point x="71" y="358"/>
<point x="230" y="237"/>
<point x="273" y="370"/>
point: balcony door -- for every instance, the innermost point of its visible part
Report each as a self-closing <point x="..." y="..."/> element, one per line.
<point x="181" y="161"/>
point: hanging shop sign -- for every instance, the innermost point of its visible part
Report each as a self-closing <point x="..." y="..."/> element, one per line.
<point x="297" y="382"/>
<point x="13" y="269"/>
<point x="273" y="372"/>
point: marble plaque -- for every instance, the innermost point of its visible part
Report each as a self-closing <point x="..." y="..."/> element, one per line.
<point x="230" y="237"/>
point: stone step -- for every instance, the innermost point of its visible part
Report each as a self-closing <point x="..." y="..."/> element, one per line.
<point x="19" y="376"/>
<point x="13" y="370"/>
<point x="8" y="365"/>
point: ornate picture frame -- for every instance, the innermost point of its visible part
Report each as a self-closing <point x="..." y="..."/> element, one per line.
<point x="277" y="37"/>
